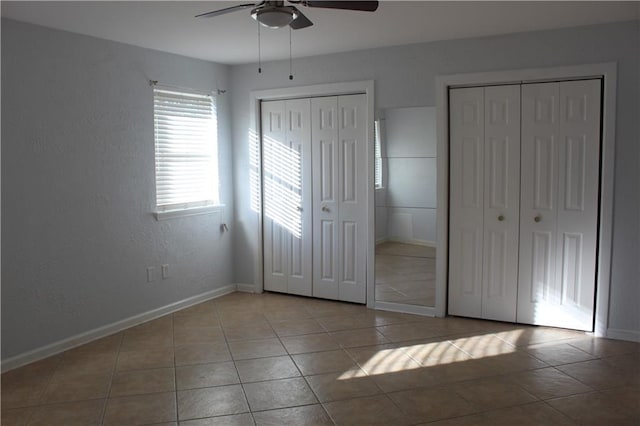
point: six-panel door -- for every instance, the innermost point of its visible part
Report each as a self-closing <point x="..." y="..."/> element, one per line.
<point x="466" y="200"/>
<point x="484" y="201"/>
<point x="559" y="216"/>
<point x="352" y="178"/>
<point x="286" y="151"/>
<point x="339" y="137"/>
<point x="324" y="112"/>
<point x="501" y="202"/>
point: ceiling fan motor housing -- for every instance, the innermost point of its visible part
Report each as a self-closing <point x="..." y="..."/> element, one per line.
<point x="274" y="16"/>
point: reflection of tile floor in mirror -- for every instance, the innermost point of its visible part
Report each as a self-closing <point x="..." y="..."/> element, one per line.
<point x="405" y="273"/>
<point x="270" y="359"/>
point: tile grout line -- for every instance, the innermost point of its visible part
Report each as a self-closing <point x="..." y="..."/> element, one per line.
<point x="555" y="367"/>
<point x="175" y="367"/>
<point x="592" y="392"/>
<point x="582" y="382"/>
<point x="450" y="385"/>
<point x="546" y="403"/>
<point x="113" y="373"/>
<point x="302" y="375"/>
<point x="538" y="399"/>
<point x="383" y="392"/>
<point x="290" y="357"/>
<point x="44" y="391"/>
<point x="233" y="360"/>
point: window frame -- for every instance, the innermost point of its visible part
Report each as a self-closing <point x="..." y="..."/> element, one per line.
<point x="192" y="207"/>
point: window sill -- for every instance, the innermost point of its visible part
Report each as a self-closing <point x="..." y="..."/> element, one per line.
<point x="193" y="211"/>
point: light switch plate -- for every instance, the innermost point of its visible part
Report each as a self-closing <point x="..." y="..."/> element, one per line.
<point x="151" y="274"/>
<point x="165" y="271"/>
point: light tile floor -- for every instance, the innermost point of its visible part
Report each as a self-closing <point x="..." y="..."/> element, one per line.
<point x="272" y="359"/>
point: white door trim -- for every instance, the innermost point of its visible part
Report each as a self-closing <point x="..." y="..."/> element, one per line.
<point x="608" y="71"/>
<point x="330" y="89"/>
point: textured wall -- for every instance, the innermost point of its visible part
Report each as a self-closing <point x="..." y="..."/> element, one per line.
<point x="405" y="77"/>
<point x="78" y="187"/>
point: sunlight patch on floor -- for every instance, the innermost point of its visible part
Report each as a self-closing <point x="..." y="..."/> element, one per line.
<point x="431" y="354"/>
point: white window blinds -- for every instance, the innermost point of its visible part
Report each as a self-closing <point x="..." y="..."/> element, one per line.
<point x="377" y="155"/>
<point x="186" y="135"/>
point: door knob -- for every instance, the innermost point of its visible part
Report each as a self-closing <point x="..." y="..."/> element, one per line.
<point x="537" y="218"/>
<point x="500" y="218"/>
<point x="325" y="209"/>
<point x="299" y="208"/>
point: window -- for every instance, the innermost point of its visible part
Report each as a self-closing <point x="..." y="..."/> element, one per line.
<point x="378" y="155"/>
<point x="186" y="139"/>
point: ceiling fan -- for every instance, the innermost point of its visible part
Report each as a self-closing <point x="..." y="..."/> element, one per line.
<point x="274" y="14"/>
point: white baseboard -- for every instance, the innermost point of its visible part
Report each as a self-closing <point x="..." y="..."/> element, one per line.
<point x="100" y="332"/>
<point x="616" y="333"/>
<point x="246" y="288"/>
<point x="426" y="311"/>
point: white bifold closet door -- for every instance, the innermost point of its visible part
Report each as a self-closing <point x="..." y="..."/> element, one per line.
<point x="315" y="196"/>
<point x="484" y="201"/>
<point x="559" y="216"/>
<point x="339" y="138"/>
<point x="286" y="151"/>
<point x="524" y="187"/>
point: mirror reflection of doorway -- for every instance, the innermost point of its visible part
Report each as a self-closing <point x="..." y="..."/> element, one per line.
<point x="406" y="206"/>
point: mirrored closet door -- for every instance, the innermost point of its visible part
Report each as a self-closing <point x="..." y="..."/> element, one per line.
<point x="405" y="211"/>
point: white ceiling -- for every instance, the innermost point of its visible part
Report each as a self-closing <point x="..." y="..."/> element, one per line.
<point x="232" y="39"/>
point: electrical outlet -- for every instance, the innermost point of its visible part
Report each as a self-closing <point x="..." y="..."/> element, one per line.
<point x="165" y="271"/>
<point x="151" y="274"/>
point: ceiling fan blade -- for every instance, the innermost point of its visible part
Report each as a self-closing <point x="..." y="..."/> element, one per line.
<point x="226" y="10"/>
<point x="300" y="22"/>
<point x="365" y="6"/>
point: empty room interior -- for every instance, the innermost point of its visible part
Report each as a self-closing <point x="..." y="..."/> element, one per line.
<point x="312" y="212"/>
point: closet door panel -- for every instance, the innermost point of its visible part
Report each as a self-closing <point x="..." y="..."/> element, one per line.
<point x="466" y="228"/>
<point x="578" y="183"/>
<point x="276" y="187"/>
<point x="325" y="152"/>
<point x="501" y="202"/>
<point x="561" y="122"/>
<point x="539" y="200"/>
<point x="352" y="175"/>
<point x="298" y="161"/>
<point x="286" y="145"/>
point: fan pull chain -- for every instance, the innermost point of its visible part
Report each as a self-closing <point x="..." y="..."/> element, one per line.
<point x="259" y="55"/>
<point x="290" y="60"/>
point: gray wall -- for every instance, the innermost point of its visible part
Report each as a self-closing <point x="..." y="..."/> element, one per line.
<point x="78" y="187"/>
<point x="405" y="77"/>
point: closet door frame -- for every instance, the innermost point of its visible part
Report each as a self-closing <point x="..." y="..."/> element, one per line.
<point x="607" y="72"/>
<point x="365" y="87"/>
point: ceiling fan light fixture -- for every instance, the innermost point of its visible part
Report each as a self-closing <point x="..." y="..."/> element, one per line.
<point x="274" y="17"/>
